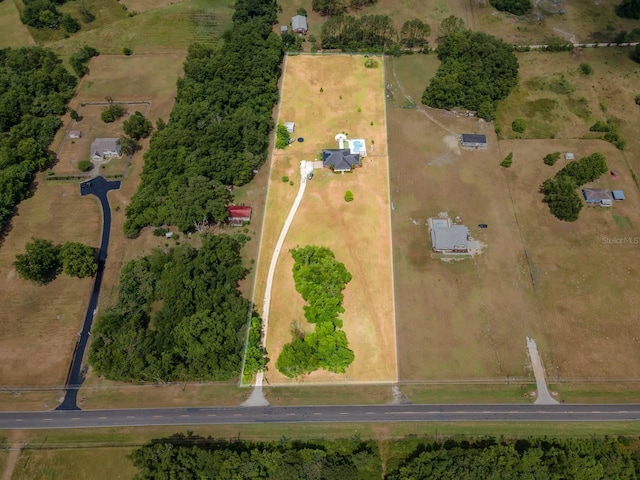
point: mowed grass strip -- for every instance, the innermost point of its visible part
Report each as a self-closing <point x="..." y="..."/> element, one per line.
<point x="357" y="232"/>
<point x="81" y="463"/>
<point x="12" y="31"/>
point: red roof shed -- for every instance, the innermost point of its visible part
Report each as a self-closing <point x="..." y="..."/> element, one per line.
<point x="238" y="214"/>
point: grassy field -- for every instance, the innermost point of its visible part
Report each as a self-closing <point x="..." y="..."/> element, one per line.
<point x="79" y="463"/>
<point x="329" y="395"/>
<point x="168" y="28"/>
<point x="325" y="219"/>
<point x="563" y="284"/>
<point x="13" y="32"/>
<point x="41" y="322"/>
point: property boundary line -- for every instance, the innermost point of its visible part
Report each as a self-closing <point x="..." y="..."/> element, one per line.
<point x="393" y="279"/>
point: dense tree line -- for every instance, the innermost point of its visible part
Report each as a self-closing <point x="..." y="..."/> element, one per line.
<point x="320" y="280"/>
<point x="560" y="192"/>
<point x="596" y="459"/>
<point x="476" y="71"/>
<point x="336" y="7"/>
<point x="372" y="33"/>
<point x="34" y="91"/>
<point x="629" y="9"/>
<point x="516" y="7"/>
<point x="79" y="60"/>
<point x="194" y="457"/>
<point x="218" y="131"/>
<point x="190" y="456"/>
<point x="179" y="316"/>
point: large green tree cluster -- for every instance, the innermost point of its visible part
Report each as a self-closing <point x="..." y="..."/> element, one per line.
<point x="79" y="60"/>
<point x="560" y="192"/>
<point x="596" y="459"/>
<point x="320" y="280"/>
<point x="516" y="7"/>
<point x="193" y="457"/>
<point x="218" y="131"/>
<point x="34" y="90"/>
<point x="371" y="32"/>
<point x="629" y="9"/>
<point x="45" y="14"/>
<point x="190" y="456"/>
<point x="179" y="316"/>
<point x="43" y="260"/>
<point x="476" y="71"/>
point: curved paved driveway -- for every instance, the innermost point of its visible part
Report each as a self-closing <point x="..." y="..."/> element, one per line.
<point x="99" y="187"/>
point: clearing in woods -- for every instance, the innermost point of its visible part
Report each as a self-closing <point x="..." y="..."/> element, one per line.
<point x="564" y="284"/>
<point x="322" y="103"/>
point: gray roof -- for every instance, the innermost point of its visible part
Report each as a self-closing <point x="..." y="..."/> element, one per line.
<point x="474" y="138"/>
<point x="101" y="145"/>
<point x="341" y="159"/>
<point x="596" y="195"/>
<point x="449" y="238"/>
<point x="618" y="195"/>
<point x="299" y="22"/>
<point x="283" y="28"/>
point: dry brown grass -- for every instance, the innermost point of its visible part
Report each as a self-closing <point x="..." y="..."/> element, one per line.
<point x="39" y="324"/>
<point x="144" y="5"/>
<point x="558" y="282"/>
<point x="14" y="32"/>
<point x="357" y="232"/>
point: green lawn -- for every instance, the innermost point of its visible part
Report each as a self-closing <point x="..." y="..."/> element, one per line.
<point x="160" y="30"/>
<point x="12" y="32"/>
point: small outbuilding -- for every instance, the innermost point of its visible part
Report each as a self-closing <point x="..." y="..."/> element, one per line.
<point x="569" y="156"/>
<point x="598" y="196"/>
<point x="239" y="215"/>
<point x="290" y="126"/>
<point x="340" y="159"/>
<point x="474" y="140"/>
<point x="75" y="134"/>
<point x="299" y="24"/>
<point x="452" y="239"/>
<point x="618" y="195"/>
<point x="284" y="29"/>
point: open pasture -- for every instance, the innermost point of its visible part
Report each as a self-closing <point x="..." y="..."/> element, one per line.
<point x="358" y="232"/>
<point x="564" y="284"/>
<point x="39" y="323"/>
<point x="166" y="29"/>
<point x="12" y="31"/>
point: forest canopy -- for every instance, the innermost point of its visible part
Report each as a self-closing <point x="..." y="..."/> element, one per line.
<point x="406" y="458"/>
<point x="34" y="91"/>
<point x="477" y="71"/>
<point x="179" y="316"/>
<point x="218" y="131"/>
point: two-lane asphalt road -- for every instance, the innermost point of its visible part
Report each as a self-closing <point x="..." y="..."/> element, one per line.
<point x="318" y="414"/>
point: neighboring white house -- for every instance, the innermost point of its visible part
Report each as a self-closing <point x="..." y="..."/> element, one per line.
<point x="102" y="148"/>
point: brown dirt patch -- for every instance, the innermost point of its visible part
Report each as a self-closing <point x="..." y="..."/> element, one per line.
<point x="354" y="231"/>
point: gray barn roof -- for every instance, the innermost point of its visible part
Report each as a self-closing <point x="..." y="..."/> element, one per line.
<point x="596" y="195"/>
<point x="101" y="145"/>
<point x="340" y="159"/>
<point x="474" y="138"/>
<point x="299" y="22"/>
<point x="450" y="238"/>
